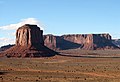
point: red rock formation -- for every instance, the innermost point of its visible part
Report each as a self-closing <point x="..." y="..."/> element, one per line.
<point x="82" y="41"/>
<point x="29" y="35"/>
<point x="3" y="48"/>
<point x="86" y="40"/>
<point x="29" y="43"/>
<point x="50" y="41"/>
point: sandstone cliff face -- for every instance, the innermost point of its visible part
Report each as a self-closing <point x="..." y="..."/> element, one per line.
<point x="103" y="41"/>
<point x="58" y="43"/>
<point x="50" y="41"/>
<point x="85" y="40"/>
<point x="29" y="35"/>
<point x="29" y="43"/>
<point x="82" y="41"/>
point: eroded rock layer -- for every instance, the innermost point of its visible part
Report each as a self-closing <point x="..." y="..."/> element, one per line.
<point x="82" y="41"/>
<point x="29" y="43"/>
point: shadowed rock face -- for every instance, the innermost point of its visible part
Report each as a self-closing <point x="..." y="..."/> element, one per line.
<point x="82" y="41"/>
<point x="29" y="43"/>
<point x="3" y="48"/>
<point x="116" y="42"/>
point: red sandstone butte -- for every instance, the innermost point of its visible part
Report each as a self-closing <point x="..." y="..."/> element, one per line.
<point x="29" y="43"/>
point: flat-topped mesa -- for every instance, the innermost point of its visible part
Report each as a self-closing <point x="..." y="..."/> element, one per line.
<point x="81" y="41"/>
<point x="29" y="35"/>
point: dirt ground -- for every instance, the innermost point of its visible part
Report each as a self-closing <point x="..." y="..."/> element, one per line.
<point x="60" y="69"/>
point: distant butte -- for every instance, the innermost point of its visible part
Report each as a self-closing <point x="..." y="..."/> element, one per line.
<point x="29" y="43"/>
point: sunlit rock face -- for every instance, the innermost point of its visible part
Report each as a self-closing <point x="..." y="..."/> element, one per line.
<point x="81" y="41"/>
<point x="50" y="41"/>
<point x="29" y="43"/>
<point x="29" y="35"/>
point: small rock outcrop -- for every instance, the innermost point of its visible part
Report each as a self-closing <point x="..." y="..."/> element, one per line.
<point x="81" y="41"/>
<point x="29" y="43"/>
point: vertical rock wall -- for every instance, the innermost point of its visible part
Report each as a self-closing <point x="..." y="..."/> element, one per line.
<point x="29" y="35"/>
<point x="82" y="41"/>
<point x="29" y="43"/>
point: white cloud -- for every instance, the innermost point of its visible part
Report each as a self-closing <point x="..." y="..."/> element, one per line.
<point x="6" y="41"/>
<point x="11" y="29"/>
<point x="23" y="21"/>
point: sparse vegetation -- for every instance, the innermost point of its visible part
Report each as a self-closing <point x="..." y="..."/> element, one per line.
<point x="101" y="53"/>
<point x="61" y="69"/>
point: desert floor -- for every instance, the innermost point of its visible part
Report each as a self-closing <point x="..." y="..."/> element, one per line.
<point x="87" y="68"/>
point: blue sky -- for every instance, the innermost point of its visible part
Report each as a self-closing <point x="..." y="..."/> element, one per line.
<point x="61" y="16"/>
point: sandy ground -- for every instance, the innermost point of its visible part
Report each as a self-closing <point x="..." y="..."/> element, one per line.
<point x="60" y="69"/>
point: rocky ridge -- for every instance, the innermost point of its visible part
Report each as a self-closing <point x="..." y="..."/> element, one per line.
<point x="81" y="41"/>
